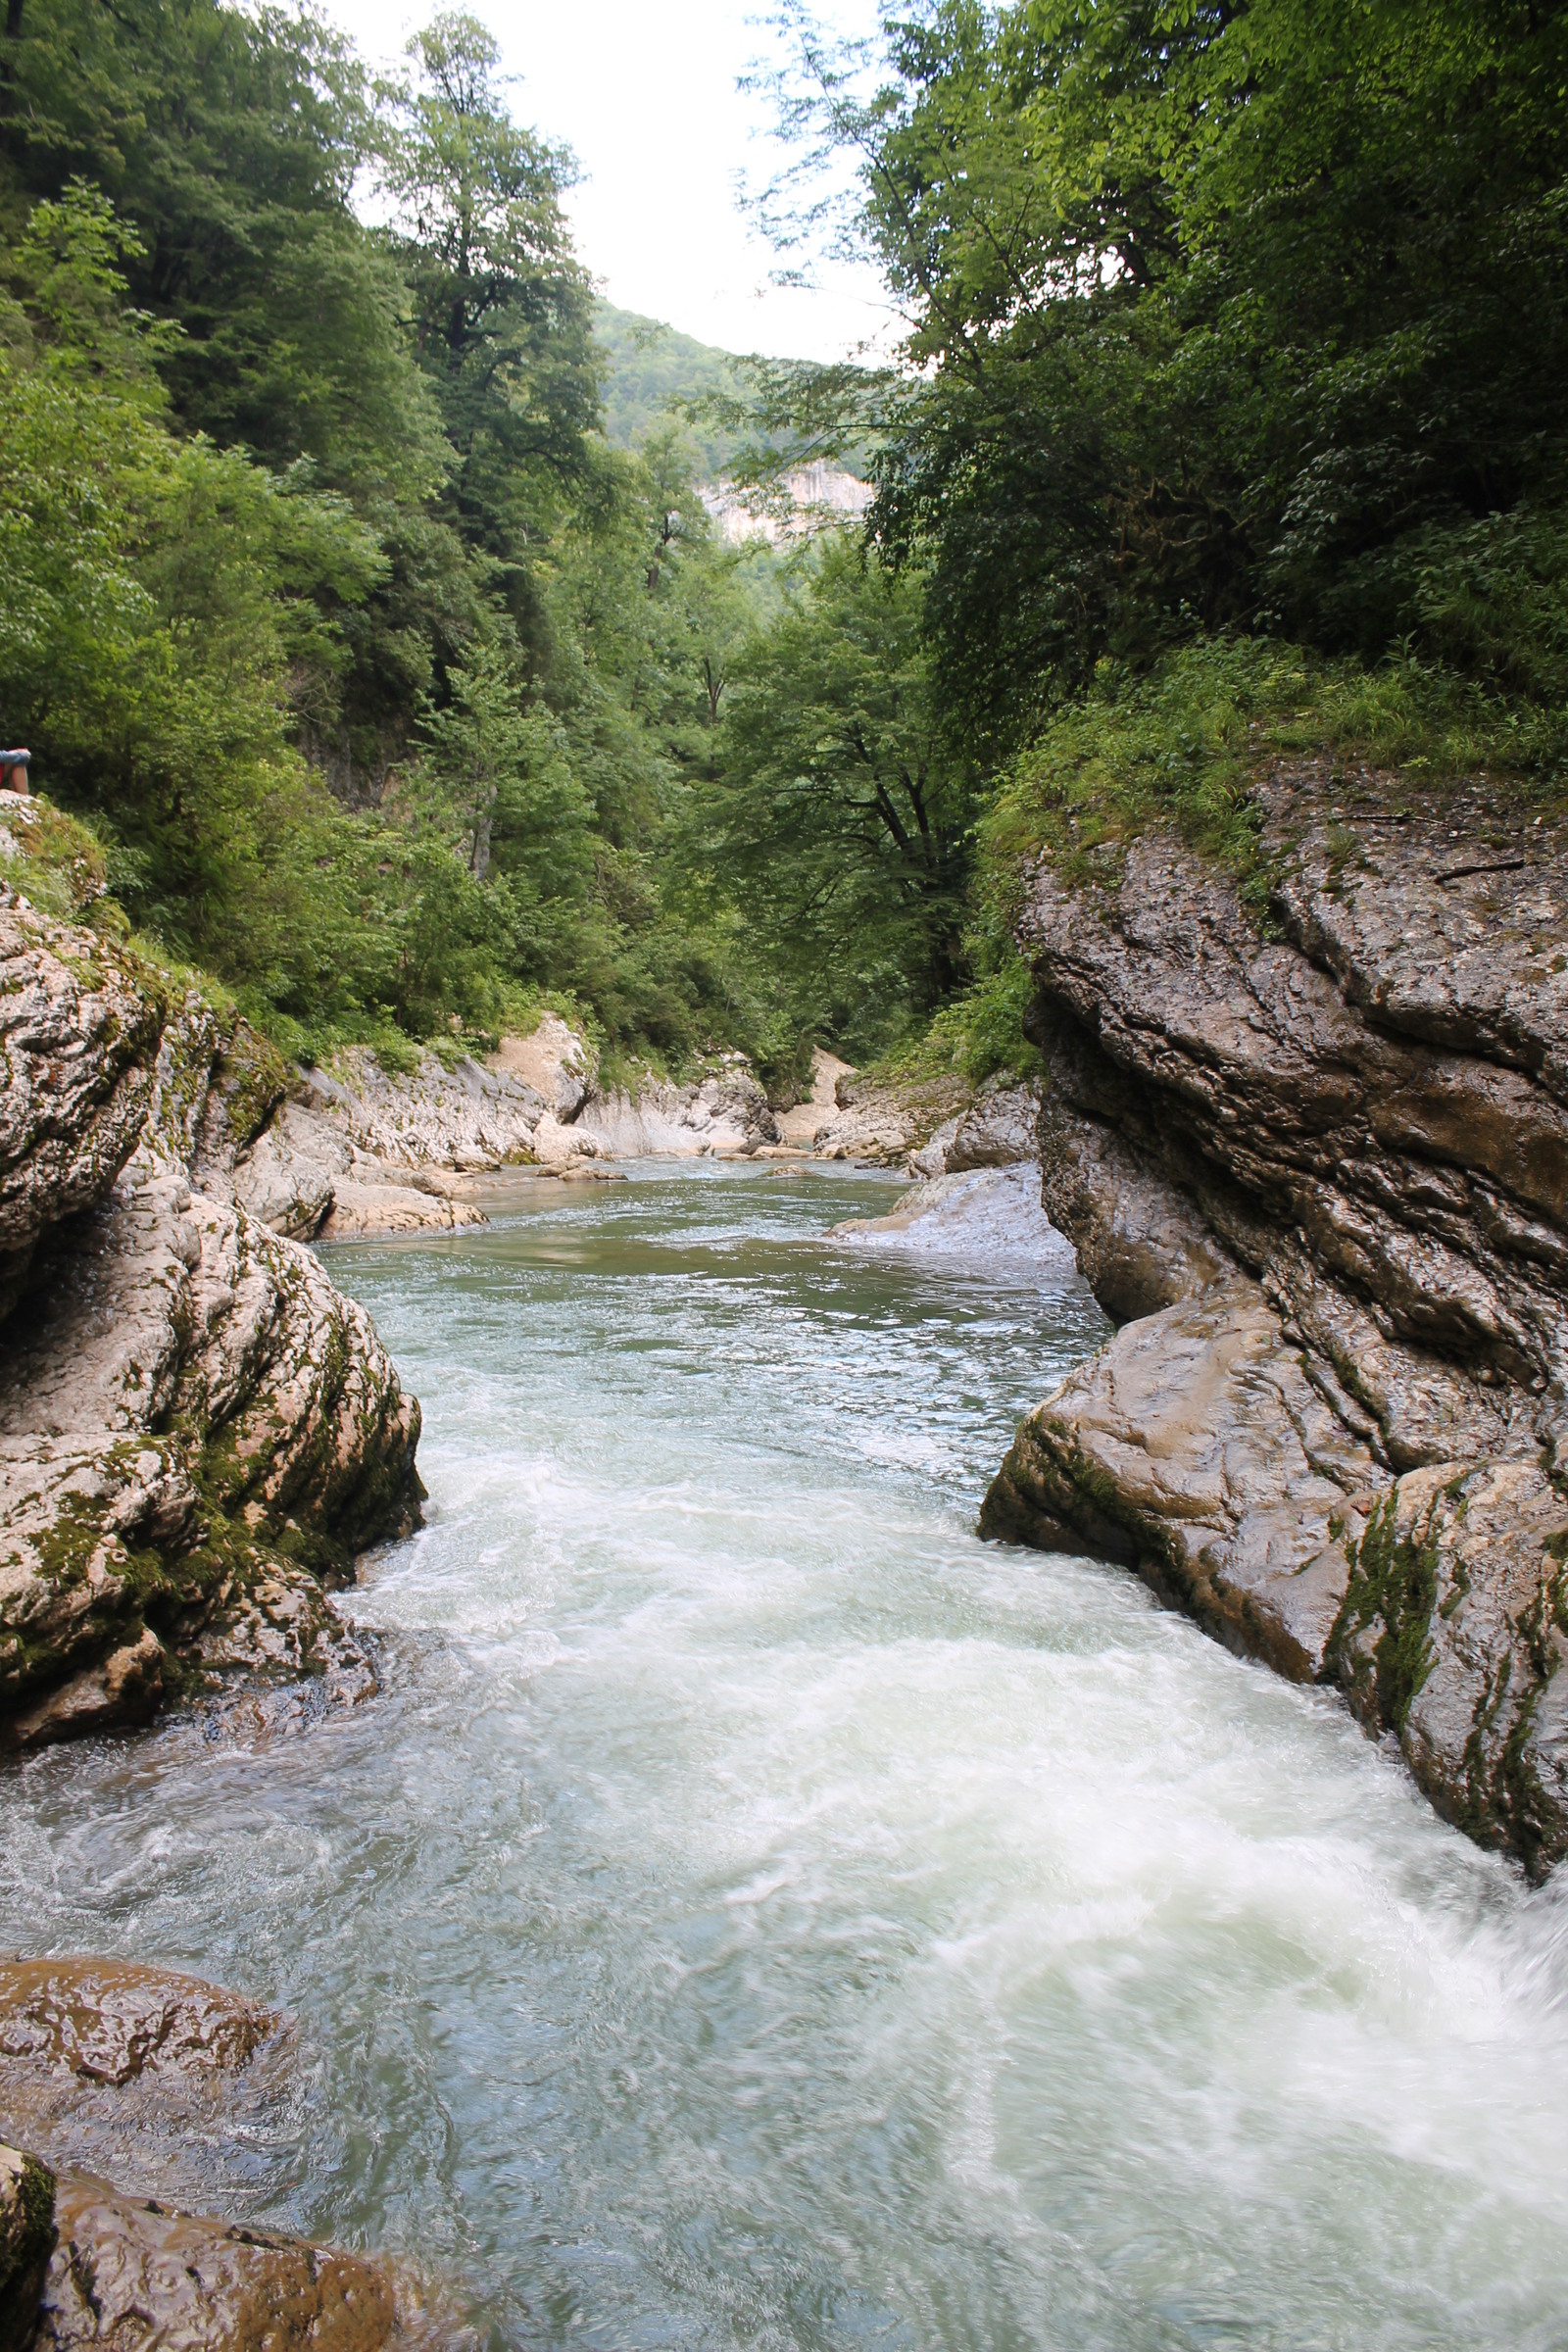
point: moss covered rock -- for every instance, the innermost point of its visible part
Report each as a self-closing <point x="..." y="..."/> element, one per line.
<point x="197" y="1430"/>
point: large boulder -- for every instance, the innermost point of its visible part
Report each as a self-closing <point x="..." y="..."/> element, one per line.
<point x="890" y="1123"/>
<point x="1318" y="1167"/>
<point x="148" y="2076"/>
<point x="116" y="2022"/>
<point x="80" y="1029"/>
<point x="722" y="1114"/>
<point x="129" y="2276"/>
<point x="197" y="1430"/>
<point x="137" y="2073"/>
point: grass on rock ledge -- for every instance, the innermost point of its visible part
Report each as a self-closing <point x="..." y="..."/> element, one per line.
<point x="1183" y="744"/>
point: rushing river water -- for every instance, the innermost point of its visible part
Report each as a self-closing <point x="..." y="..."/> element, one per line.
<point x="755" y="1913"/>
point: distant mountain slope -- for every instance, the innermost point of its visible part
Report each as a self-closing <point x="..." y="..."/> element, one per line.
<point x="651" y="368"/>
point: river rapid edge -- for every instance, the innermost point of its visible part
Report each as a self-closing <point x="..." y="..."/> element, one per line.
<point x="754" y="1910"/>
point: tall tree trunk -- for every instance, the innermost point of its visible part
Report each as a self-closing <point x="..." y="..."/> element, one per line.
<point x="482" y="824"/>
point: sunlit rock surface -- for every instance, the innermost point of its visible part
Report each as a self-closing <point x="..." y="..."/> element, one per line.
<point x="78" y="1034"/>
<point x="976" y="1218"/>
<point x="724" y="1115"/>
<point x="1320" y="1171"/>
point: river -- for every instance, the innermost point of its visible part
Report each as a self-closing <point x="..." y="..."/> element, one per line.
<point x="756" y="1913"/>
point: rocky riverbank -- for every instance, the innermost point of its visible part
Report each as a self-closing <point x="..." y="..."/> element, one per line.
<point x="1316" y="1163"/>
<point x="362" y="1149"/>
<point x="197" y="1430"/>
<point x="111" y="2068"/>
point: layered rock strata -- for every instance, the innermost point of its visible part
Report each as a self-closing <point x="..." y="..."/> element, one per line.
<point x="197" y="1430"/>
<point x="722" y="1114"/>
<point x="363" y="1150"/>
<point x="886" y="1125"/>
<point x="1316" y="1164"/>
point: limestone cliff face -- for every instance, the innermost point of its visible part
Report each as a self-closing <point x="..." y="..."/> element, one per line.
<point x="197" y="1430"/>
<point x="77" y="1036"/>
<point x="363" y="1150"/>
<point x="724" y="1114"/>
<point x="1317" y="1166"/>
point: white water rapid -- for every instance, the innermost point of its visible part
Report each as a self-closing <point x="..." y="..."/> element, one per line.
<point x="755" y="1913"/>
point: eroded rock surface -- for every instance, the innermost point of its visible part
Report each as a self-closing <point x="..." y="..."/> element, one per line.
<point x="363" y="1150"/>
<point x="988" y="1219"/>
<point x="998" y="1130"/>
<point x="114" y="2022"/>
<point x="139" y="2074"/>
<point x="886" y="1125"/>
<point x="802" y="1122"/>
<point x="724" y="1115"/>
<point x="197" y="1430"/>
<point x="78" y="1035"/>
<point x="130" y="2276"/>
<point x="1319" y="1171"/>
<point x="107" y="2068"/>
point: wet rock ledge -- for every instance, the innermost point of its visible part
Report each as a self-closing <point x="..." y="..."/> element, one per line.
<point x="158" y="2078"/>
<point x="197" y="1430"/>
<point x="1314" y="1161"/>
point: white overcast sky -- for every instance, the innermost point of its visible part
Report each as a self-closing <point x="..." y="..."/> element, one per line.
<point x="644" y="93"/>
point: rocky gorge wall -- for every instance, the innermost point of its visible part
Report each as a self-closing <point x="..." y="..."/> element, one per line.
<point x="197" y="1430"/>
<point x="361" y="1148"/>
<point x="1314" y="1161"/>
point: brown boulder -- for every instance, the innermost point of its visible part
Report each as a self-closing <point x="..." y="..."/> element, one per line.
<point x="197" y="1430"/>
<point x="114" y="2021"/>
<point x="130" y="2276"/>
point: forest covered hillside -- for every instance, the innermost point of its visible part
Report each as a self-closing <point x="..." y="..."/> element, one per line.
<point x="363" y="607"/>
<point x="655" y="373"/>
<point x="393" y="692"/>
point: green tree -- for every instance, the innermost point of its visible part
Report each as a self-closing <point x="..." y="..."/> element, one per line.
<point x="1247" y="313"/>
<point x="841" y="820"/>
<point x="503" y="307"/>
<point x="161" y="609"/>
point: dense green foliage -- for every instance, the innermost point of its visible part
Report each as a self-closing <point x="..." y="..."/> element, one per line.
<point x="362" y="601"/>
<point x="656" y="377"/>
<point x="1235" y="419"/>
<point x="1181" y="743"/>
<point x="840" y="815"/>
<point x="386" y="680"/>
<point x="1234" y="316"/>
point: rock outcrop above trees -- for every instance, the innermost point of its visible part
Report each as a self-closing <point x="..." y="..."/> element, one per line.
<point x="1314" y="1159"/>
<point x="197" y="1430"/>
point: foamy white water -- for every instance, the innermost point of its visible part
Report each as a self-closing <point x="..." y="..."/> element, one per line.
<point x="757" y="1913"/>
